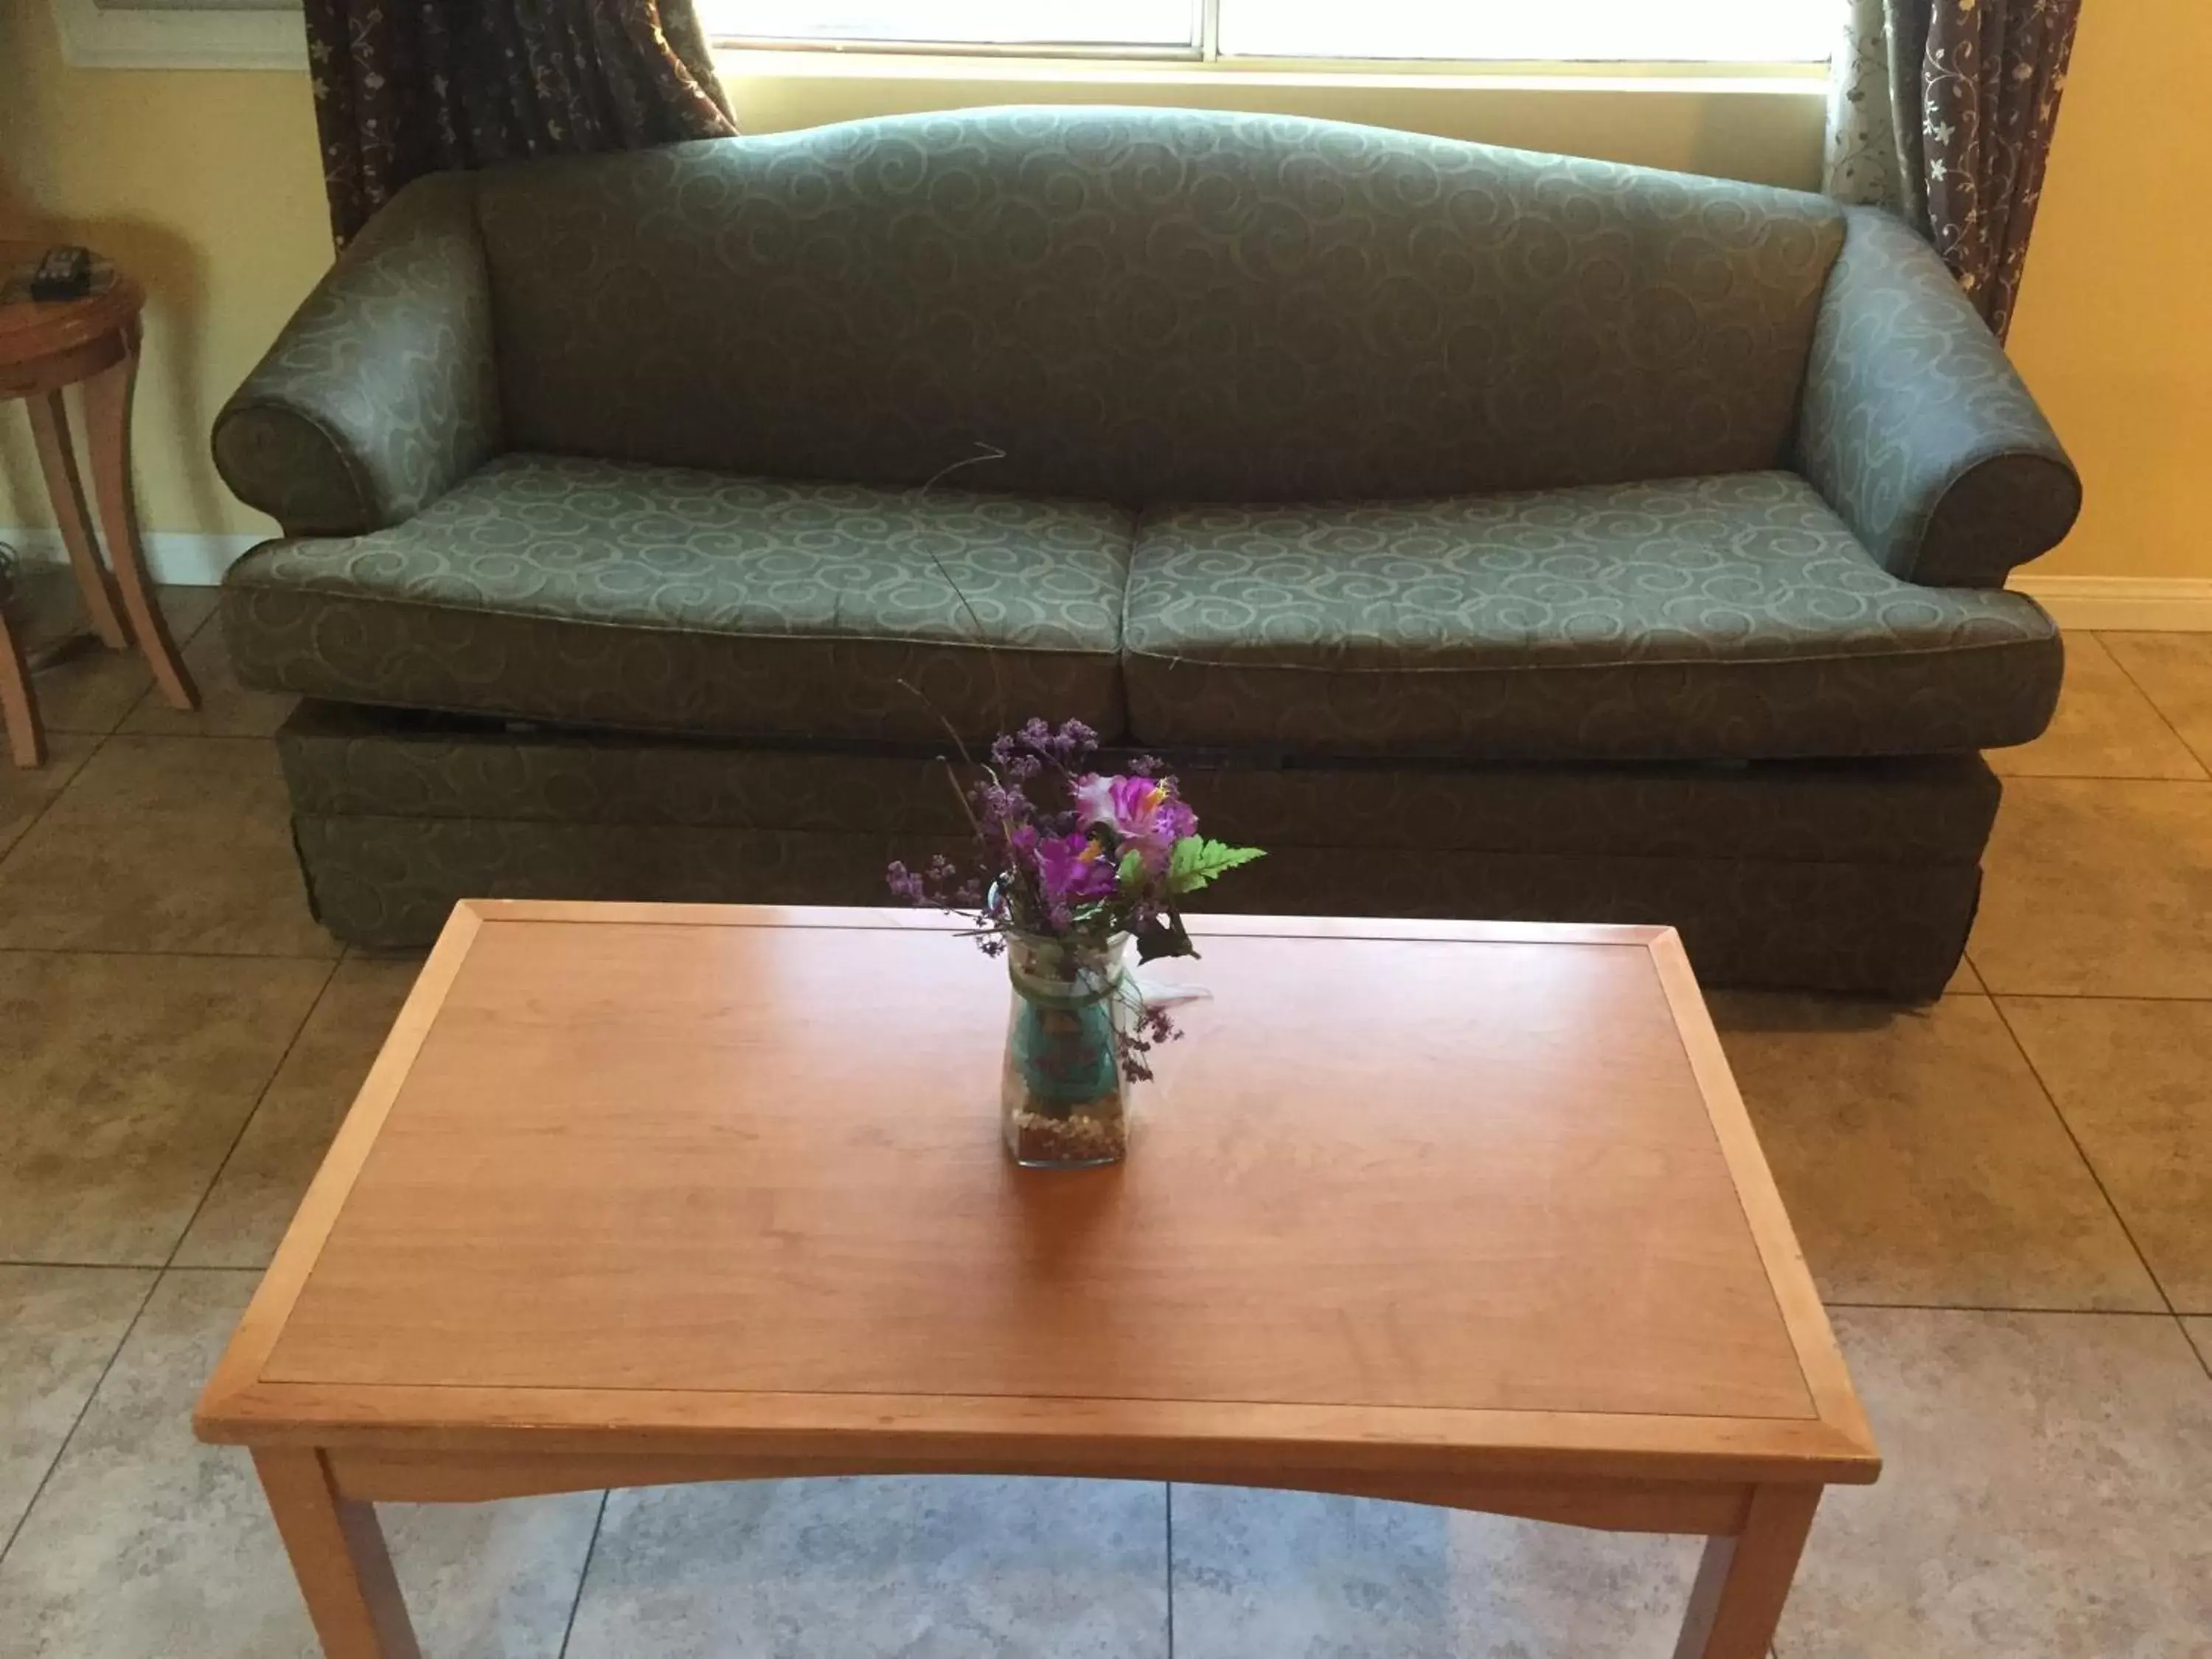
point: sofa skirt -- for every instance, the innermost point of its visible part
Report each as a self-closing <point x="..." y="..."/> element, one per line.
<point x="1856" y="877"/>
<point x="1887" y="931"/>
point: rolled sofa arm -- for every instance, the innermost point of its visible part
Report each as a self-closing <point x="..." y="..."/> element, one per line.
<point x="381" y="392"/>
<point x="1915" y="427"/>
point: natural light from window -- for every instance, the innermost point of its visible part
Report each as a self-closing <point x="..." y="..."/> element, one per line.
<point x="1058" y="23"/>
<point x="1703" y="31"/>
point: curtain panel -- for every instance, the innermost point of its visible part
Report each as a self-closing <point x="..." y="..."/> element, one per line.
<point x="404" y="88"/>
<point x="1942" y="111"/>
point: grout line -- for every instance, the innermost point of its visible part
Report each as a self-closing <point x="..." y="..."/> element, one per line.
<point x="23" y="835"/>
<point x="91" y="1393"/>
<point x="569" y="1629"/>
<point x="105" y="1266"/>
<point x="2143" y="692"/>
<point x="246" y="1122"/>
<point x="1170" y="1485"/>
<point x="191" y="956"/>
<point x="2001" y="1307"/>
<point x="2084" y="996"/>
<point x="183" y="642"/>
<point x="2089" y="1164"/>
<point x="2081" y="777"/>
<point x="270" y="737"/>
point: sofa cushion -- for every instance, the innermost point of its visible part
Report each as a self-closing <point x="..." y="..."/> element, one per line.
<point x="603" y="593"/>
<point x="1728" y="618"/>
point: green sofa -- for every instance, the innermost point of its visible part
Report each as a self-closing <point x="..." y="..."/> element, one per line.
<point x="1484" y="533"/>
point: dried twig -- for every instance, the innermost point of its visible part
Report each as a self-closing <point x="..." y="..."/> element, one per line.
<point x="985" y="451"/>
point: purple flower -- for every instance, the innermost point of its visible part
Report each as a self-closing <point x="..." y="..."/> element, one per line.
<point x="1145" y="813"/>
<point x="1071" y="867"/>
<point x="1021" y="755"/>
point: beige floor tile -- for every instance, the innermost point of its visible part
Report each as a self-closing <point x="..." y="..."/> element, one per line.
<point x="1963" y="980"/>
<point x="936" y="1568"/>
<point x="2200" y="1333"/>
<point x="2175" y="672"/>
<point x="124" y="1080"/>
<point x="227" y="708"/>
<point x="164" y="844"/>
<point x="2104" y="727"/>
<point x="90" y="689"/>
<point x="1264" y="1575"/>
<point x="2046" y="1493"/>
<point x="27" y="790"/>
<point x="261" y="1185"/>
<point x="1920" y="1160"/>
<point x="145" y="1543"/>
<point x="2134" y="1080"/>
<point x="2098" y="889"/>
<point x="58" y="1328"/>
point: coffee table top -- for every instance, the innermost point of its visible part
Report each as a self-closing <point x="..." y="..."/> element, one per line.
<point x="727" y="1179"/>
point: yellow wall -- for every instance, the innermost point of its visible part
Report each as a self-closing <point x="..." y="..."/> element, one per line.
<point x="206" y="184"/>
<point x="2111" y="331"/>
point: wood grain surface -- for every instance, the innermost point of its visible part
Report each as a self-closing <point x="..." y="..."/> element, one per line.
<point x="1411" y="1200"/>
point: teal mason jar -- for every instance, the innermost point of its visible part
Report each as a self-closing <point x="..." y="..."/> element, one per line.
<point x="1061" y="1092"/>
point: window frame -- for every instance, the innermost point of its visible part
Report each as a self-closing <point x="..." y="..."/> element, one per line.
<point x="213" y="37"/>
<point x="1205" y="54"/>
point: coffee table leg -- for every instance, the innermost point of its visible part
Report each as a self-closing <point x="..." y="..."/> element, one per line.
<point x="1743" y="1581"/>
<point x="339" y="1555"/>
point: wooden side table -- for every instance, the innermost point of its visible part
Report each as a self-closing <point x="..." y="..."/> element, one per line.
<point x="91" y="343"/>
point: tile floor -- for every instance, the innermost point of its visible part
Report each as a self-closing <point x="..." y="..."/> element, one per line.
<point x="2007" y="1196"/>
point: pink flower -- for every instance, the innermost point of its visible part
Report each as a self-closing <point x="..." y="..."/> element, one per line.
<point x="1143" y="812"/>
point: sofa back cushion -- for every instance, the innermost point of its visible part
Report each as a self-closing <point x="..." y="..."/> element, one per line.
<point x="1146" y="304"/>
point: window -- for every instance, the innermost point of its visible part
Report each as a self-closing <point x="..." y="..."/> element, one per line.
<point x="1708" y="31"/>
<point x="1050" y="25"/>
<point x="179" y="34"/>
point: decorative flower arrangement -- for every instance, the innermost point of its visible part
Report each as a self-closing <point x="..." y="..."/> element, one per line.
<point x="1068" y="863"/>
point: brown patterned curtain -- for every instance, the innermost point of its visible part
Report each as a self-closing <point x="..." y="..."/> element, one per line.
<point x="408" y="87"/>
<point x="1944" y="111"/>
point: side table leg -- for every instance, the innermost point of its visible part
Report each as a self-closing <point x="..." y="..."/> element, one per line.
<point x="339" y="1555"/>
<point x="1743" y="1581"/>
<point x="57" y="461"/>
<point x="27" y="740"/>
<point x="107" y="418"/>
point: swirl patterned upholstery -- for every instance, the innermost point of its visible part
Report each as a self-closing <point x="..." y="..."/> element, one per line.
<point x="1243" y="435"/>
<point x="658" y="599"/>
<point x="1718" y="618"/>
<point x="1146" y="307"/>
<point x="381" y="394"/>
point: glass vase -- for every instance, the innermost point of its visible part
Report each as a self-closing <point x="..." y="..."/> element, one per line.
<point x="1061" y="1092"/>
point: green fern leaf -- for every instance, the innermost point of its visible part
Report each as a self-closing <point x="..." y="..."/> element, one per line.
<point x="1197" y="861"/>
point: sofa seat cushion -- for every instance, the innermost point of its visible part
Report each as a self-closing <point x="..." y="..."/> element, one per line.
<point x="1729" y="617"/>
<point x="610" y="593"/>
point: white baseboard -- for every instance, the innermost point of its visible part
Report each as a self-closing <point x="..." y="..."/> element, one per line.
<point x="177" y="558"/>
<point x="2166" y="605"/>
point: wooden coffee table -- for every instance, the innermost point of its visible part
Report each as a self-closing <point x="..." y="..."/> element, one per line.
<point x="1453" y="1214"/>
